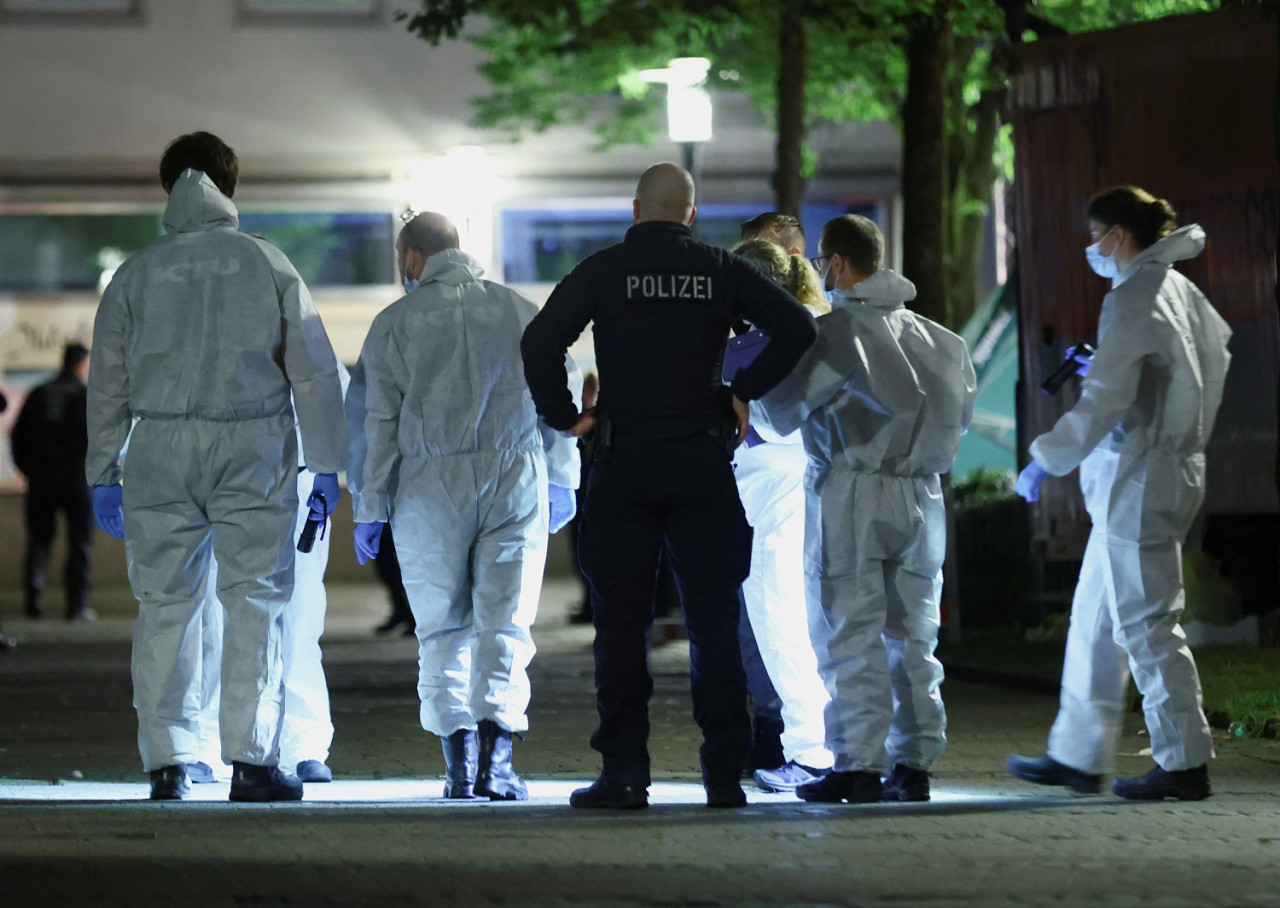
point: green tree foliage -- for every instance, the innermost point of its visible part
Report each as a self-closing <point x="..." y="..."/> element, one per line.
<point x="937" y="69"/>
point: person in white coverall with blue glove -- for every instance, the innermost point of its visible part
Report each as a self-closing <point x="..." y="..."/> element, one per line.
<point x="881" y="400"/>
<point x="209" y="338"/>
<point x="447" y="446"/>
<point x="769" y="469"/>
<point x="306" y="728"/>
<point x="1138" y="433"/>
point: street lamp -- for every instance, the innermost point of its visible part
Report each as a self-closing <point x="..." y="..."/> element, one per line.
<point x="461" y="185"/>
<point x="688" y="106"/>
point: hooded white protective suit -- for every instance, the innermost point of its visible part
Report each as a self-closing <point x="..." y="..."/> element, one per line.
<point x="203" y="336"/>
<point x="881" y="400"/>
<point x="446" y="444"/>
<point x="770" y="479"/>
<point x="306" y="728"/>
<point x="1138" y="434"/>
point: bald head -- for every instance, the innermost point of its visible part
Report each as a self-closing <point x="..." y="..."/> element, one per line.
<point x="429" y="233"/>
<point x="665" y="193"/>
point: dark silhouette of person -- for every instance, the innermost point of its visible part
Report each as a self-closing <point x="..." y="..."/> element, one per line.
<point x="49" y="441"/>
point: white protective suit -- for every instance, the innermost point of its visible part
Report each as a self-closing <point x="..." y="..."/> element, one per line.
<point x="203" y="336"/>
<point x="881" y="400"/>
<point x="1138" y="434"/>
<point x="770" y="479"/>
<point x="306" y="728"/>
<point x="446" y="444"/>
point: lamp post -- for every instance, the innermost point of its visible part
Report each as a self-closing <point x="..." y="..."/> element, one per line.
<point x="688" y="106"/>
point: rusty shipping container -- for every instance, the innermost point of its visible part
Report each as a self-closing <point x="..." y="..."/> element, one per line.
<point x="1186" y="108"/>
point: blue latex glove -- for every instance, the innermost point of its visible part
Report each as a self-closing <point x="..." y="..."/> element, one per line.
<point x="108" y="509"/>
<point x="1083" y="361"/>
<point x="368" y="539"/>
<point x="1028" y="484"/>
<point x="564" y="504"/>
<point x="326" y="487"/>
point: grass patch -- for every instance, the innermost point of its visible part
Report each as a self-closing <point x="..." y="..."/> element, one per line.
<point x="1241" y="683"/>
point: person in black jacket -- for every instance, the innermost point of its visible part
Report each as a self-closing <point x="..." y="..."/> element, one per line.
<point x="665" y="426"/>
<point x="49" y="441"/>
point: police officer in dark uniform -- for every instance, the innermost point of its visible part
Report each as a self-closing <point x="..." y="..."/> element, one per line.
<point x="49" y="441"/>
<point x="662" y="304"/>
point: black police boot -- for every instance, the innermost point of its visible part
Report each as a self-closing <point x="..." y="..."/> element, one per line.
<point x="602" y="795"/>
<point x="1046" y="770"/>
<point x="263" y="783"/>
<point x="169" y="783"/>
<point x="496" y="778"/>
<point x="1183" y="784"/>
<point x="460" y="764"/>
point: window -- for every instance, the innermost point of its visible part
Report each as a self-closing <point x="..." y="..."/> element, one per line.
<point x="543" y="245"/>
<point x="292" y="11"/>
<point x="70" y="8"/>
<point x="51" y="253"/>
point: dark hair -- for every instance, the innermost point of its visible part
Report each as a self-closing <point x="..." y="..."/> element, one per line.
<point x="73" y="355"/>
<point x="205" y="152"/>
<point x="856" y="238"/>
<point x="771" y="222"/>
<point x="1136" y="210"/>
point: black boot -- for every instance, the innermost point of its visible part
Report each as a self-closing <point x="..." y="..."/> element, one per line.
<point x="460" y="764"/>
<point x="496" y="778"/>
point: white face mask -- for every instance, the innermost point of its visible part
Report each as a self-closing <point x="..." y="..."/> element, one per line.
<point x="1102" y="265"/>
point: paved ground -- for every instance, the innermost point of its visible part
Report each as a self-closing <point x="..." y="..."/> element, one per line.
<point x="75" y="828"/>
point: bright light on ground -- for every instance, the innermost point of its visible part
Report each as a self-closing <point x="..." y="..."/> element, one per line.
<point x="422" y="793"/>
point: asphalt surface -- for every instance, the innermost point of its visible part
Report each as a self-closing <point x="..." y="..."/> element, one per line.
<point x="76" y="828"/>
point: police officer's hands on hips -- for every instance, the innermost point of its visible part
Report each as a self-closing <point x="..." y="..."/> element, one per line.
<point x="743" y="412"/>
<point x="586" y="422"/>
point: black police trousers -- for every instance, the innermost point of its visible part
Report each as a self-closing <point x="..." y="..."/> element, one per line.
<point x="680" y="492"/>
<point x="45" y="499"/>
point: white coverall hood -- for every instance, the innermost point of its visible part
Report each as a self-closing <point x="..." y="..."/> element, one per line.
<point x="195" y="203"/>
<point x="885" y="290"/>
<point x="1184" y="243"/>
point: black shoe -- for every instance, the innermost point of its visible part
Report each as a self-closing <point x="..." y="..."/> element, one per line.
<point x="460" y="764"/>
<point x="905" y="783"/>
<point x="496" y="778"/>
<point x="726" y="796"/>
<point x="1048" y="771"/>
<point x="7" y="643"/>
<point x="263" y="783"/>
<point x="314" y="771"/>
<point x="200" y="772"/>
<point x="1183" y="784"/>
<point x="169" y="783"/>
<point x="787" y="778"/>
<point x="389" y="625"/>
<point x="84" y="614"/>
<point x="604" y="796"/>
<point x="857" y="787"/>
<point x="33" y="607"/>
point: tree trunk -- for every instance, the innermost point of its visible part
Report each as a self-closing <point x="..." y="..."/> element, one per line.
<point x="971" y="198"/>
<point x="793" y="70"/>
<point x="924" y="165"/>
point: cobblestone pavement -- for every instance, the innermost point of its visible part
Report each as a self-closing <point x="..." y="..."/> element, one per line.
<point x="75" y="828"/>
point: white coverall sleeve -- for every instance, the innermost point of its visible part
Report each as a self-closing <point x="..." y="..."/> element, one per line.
<point x="373" y="422"/>
<point x="563" y="465"/>
<point x="810" y="385"/>
<point x="1108" y="391"/>
<point x="312" y="369"/>
<point x="109" y="415"/>
<point x="970" y="379"/>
